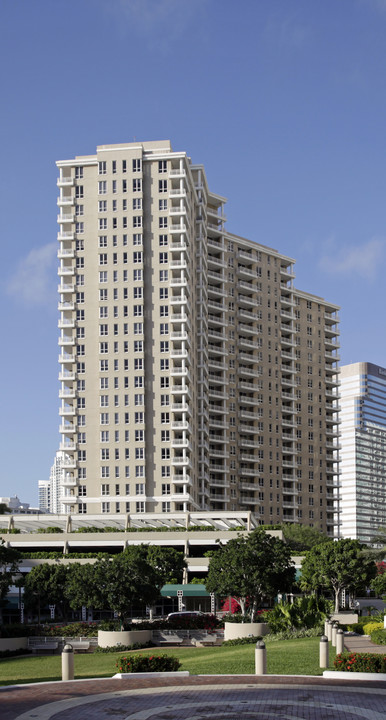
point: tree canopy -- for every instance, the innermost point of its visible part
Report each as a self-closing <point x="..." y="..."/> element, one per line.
<point x="336" y="566"/>
<point x="302" y="537"/>
<point x="9" y="565"/>
<point x="44" y="585"/>
<point x="250" y="568"/>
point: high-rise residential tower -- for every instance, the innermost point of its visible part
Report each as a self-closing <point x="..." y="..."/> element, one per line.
<point x="193" y="374"/>
<point x="363" y="455"/>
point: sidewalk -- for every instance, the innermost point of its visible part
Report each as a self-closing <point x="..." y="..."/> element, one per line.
<point x="362" y="643"/>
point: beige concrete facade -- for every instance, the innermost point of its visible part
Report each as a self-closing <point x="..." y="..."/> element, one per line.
<point x="194" y="376"/>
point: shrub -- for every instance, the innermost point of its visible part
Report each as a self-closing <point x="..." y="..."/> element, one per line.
<point x="378" y="637"/>
<point x="14" y="653"/>
<point x="360" y="662"/>
<point x="292" y="634"/>
<point x="14" y="630"/>
<point x="123" y="648"/>
<point x="369" y="627"/>
<point x="199" y="622"/>
<point x="77" y="629"/>
<point x="354" y="627"/>
<point x="243" y="641"/>
<point x="147" y="663"/>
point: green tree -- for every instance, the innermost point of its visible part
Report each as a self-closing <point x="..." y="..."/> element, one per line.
<point x="301" y="537"/>
<point x="44" y="585"/>
<point x="250" y="568"/>
<point x="379" y="582"/>
<point x="129" y="578"/>
<point x="168" y="563"/>
<point x="4" y="509"/>
<point x="9" y="566"/>
<point x="337" y="566"/>
<point x="84" y="586"/>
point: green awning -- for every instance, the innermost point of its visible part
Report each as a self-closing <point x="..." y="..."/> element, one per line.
<point x="189" y="590"/>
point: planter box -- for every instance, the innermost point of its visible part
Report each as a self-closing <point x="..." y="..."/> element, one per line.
<point x="110" y="638"/>
<point x="17" y="643"/>
<point x="232" y="631"/>
<point x="340" y="675"/>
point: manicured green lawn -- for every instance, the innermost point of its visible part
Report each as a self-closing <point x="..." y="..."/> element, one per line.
<point x="288" y="657"/>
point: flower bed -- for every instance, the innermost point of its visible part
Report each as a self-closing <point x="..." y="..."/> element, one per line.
<point x="360" y="662"/>
<point x="147" y="663"/>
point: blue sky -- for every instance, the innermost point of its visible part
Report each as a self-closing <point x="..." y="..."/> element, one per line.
<point x="283" y="101"/>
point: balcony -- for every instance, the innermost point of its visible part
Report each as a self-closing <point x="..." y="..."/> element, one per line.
<point x="67" y="429"/>
<point x="66" y="376"/>
<point x="70" y="482"/>
<point x="64" y="323"/>
<point x="66" y="235"/>
<point x="178" y="228"/>
<point x="65" y="218"/>
<point x="178" y="245"/>
<point x="64" y="200"/>
<point x="68" y="410"/>
<point x="67" y="358"/>
<point x="66" y="340"/>
<point x="246" y="300"/>
<point x="65" y="181"/>
<point x="64" y="306"/>
<point x="178" y="353"/>
<point x="66" y="393"/>
<point x="67" y="446"/>
<point x="63" y="289"/>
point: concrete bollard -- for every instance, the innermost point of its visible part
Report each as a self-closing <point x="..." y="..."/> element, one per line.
<point x="323" y="652"/>
<point x="326" y="627"/>
<point x="333" y="634"/>
<point x="260" y="658"/>
<point x="339" y="641"/>
<point x="68" y="662"/>
<point x="329" y="630"/>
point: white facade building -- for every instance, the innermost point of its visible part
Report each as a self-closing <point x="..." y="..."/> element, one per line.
<point x="363" y="454"/>
<point x="194" y="375"/>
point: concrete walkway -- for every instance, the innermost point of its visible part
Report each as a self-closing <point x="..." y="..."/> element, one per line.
<point x="202" y="697"/>
<point x="362" y="643"/>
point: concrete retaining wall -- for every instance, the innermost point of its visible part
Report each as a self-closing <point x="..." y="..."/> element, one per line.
<point x="232" y="631"/>
<point x="108" y="638"/>
<point x="18" y="643"/>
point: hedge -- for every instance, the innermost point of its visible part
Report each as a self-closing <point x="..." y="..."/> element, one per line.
<point x="360" y="662"/>
<point x="378" y="637"/>
<point x="147" y="663"/>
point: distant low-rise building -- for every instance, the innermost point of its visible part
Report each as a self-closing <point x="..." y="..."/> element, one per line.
<point x="17" y="507"/>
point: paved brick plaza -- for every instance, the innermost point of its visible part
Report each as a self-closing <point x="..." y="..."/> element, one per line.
<point x="197" y="698"/>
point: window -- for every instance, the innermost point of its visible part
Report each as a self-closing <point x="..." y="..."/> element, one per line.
<point x="137" y="239"/>
<point x="103" y="241"/>
<point x="165" y="418"/>
<point x="103" y="329"/>
<point x="164" y="310"/>
<point x="163" y="275"/>
<point x="102" y="223"/>
<point x="164" y="346"/>
<point x="165" y="435"/>
<point x="139" y="399"/>
<point x="138" y="381"/>
<point x="137" y="185"/>
<point x="166" y="507"/>
<point x="79" y="244"/>
<point x="137" y="256"/>
<point x="138" y="346"/>
<point x="139" y="471"/>
<point x="105" y="507"/>
<point x="138" y="328"/>
<point x="165" y="400"/>
<point x="140" y="453"/>
<point x="162" y="167"/>
<point x="140" y="507"/>
<point x="140" y="489"/>
<point x="162" y="186"/>
<point x="138" y="310"/>
<point x="102" y="168"/>
<point x="104" y="418"/>
<point x="104" y="400"/>
<point x="162" y="205"/>
<point x="164" y="364"/>
<point x="138" y="417"/>
<point x="79" y="228"/>
<point x="137" y="203"/>
<point x="163" y="293"/>
<point x="163" y="258"/>
<point x="137" y="165"/>
<point x="79" y="192"/>
<point x="162" y="222"/>
<point x="103" y="347"/>
<point x="139" y="435"/>
<point x="103" y="276"/>
<point x="164" y="328"/>
<point x="102" y="206"/>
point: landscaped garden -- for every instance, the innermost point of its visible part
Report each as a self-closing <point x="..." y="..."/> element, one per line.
<point x="295" y="657"/>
